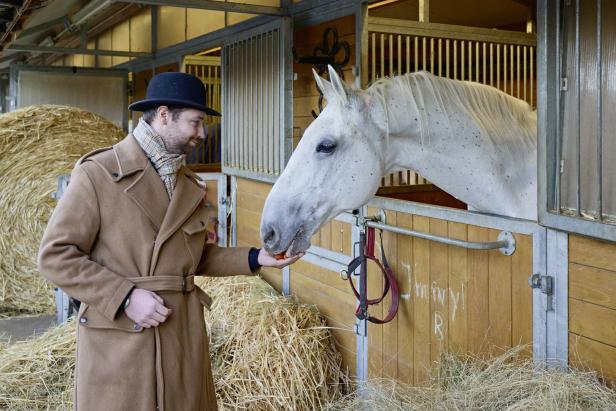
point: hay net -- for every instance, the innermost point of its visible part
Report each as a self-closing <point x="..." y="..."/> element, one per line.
<point x="37" y="144"/>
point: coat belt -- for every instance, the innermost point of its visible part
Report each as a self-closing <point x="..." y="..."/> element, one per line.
<point x="171" y="283"/>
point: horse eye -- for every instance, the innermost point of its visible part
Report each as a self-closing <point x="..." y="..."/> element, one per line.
<point x="326" y="147"/>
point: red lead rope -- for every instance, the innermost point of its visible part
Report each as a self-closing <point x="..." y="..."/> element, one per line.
<point x="366" y="252"/>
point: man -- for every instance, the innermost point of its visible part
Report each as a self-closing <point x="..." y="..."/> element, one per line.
<point x="127" y="239"/>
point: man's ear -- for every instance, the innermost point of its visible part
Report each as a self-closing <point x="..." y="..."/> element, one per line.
<point x="163" y="113"/>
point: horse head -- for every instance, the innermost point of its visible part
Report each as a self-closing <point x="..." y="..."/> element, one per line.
<point x="337" y="166"/>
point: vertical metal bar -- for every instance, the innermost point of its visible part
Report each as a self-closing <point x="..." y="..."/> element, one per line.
<point x="270" y="98"/>
<point x="525" y="74"/>
<point x="447" y="58"/>
<point x="485" y="63"/>
<point x="439" y="57"/>
<point x="505" y="68"/>
<point x="373" y="55"/>
<point x="557" y="324"/>
<point x="423" y="53"/>
<point x="578" y="107"/>
<point x="455" y="59"/>
<point x="382" y="55"/>
<point x="470" y="60"/>
<point x="408" y="54"/>
<point x="416" y="54"/>
<point x="532" y="72"/>
<point x="432" y="70"/>
<point x="498" y="47"/>
<point x="539" y="299"/>
<point x="599" y="113"/>
<point x="517" y="62"/>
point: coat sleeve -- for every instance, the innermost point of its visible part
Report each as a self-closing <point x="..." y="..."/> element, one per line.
<point x="64" y="254"/>
<point x="222" y="262"/>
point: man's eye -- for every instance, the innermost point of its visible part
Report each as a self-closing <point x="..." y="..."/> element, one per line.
<point x="326" y="147"/>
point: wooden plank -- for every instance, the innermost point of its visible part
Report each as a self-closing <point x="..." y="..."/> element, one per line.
<point x="439" y="287"/>
<point x="390" y="330"/>
<point x="592" y="321"/>
<point x="320" y="274"/>
<point x="478" y="292"/>
<point x="248" y="218"/>
<point x="247" y="236"/>
<point x="521" y="293"/>
<point x="499" y="333"/>
<point x="404" y="275"/>
<point x="347" y="239"/>
<point x="326" y="236"/>
<point x="254" y="187"/>
<point x="422" y="320"/>
<point x="593" y="285"/>
<point x="250" y="202"/>
<point x="336" y="236"/>
<point x="593" y="253"/>
<point x="458" y="283"/>
<point x="585" y="353"/>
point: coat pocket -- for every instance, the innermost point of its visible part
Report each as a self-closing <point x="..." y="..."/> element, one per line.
<point x="90" y="318"/>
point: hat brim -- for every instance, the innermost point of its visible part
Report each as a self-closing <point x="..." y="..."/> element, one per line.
<point x="147" y="104"/>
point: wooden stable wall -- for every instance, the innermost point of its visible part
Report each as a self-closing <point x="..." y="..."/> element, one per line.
<point x="592" y="305"/>
<point x="452" y="299"/>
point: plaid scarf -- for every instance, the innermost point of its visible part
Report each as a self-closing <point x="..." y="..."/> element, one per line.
<point x="166" y="164"/>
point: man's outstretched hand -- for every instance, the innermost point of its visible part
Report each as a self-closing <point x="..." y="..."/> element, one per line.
<point x="146" y="308"/>
<point x="268" y="260"/>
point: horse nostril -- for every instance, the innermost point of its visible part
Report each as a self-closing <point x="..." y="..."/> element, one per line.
<point x="270" y="238"/>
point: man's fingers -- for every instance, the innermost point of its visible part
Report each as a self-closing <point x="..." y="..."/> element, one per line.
<point x="151" y="322"/>
<point x="158" y="298"/>
<point x="161" y="309"/>
<point x="158" y="317"/>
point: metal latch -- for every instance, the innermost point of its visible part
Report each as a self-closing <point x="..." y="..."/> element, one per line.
<point x="546" y="284"/>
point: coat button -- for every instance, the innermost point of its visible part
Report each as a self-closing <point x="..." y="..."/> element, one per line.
<point x="136" y="327"/>
<point x="114" y="174"/>
<point x="83" y="320"/>
<point x="202" y="223"/>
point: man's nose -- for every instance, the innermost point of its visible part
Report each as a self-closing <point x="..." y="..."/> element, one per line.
<point x="201" y="133"/>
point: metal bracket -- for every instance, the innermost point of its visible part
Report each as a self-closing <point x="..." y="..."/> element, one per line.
<point x="510" y="238"/>
<point x="545" y="283"/>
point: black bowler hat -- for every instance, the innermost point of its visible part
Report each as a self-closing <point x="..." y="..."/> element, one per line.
<point x="177" y="90"/>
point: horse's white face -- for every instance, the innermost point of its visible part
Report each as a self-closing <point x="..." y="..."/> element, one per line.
<point x="336" y="166"/>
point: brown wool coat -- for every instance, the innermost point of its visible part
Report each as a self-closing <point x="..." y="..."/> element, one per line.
<point x="115" y="228"/>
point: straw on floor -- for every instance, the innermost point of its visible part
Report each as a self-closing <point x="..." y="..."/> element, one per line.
<point x="37" y="144"/>
<point x="508" y="382"/>
<point x="268" y="353"/>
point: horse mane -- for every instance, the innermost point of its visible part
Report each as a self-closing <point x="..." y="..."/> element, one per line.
<point x="500" y="115"/>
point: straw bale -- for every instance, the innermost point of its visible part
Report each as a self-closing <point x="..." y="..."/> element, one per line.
<point x="268" y="351"/>
<point x="37" y="144"/>
<point x="511" y="381"/>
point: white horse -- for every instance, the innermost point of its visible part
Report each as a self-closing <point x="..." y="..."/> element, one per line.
<point x="471" y="140"/>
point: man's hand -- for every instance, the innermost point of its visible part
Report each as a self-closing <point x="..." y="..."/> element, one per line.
<point x="146" y="308"/>
<point x="268" y="260"/>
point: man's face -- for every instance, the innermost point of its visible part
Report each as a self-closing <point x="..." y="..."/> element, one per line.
<point x="183" y="133"/>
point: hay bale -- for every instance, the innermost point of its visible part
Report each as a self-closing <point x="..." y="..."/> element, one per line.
<point x="510" y="381"/>
<point x="37" y="144"/>
<point x="268" y="351"/>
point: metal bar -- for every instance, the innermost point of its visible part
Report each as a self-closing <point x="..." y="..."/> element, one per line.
<point x="517" y="62"/>
<point x="408" y="54"/>
<point x="498" y="47"/>
<point x="462" y="49"/>
<point x="505" y="68"/>
<point x="485" y="63"/>
<point x="416" y="53"/>
<point x="390" y="39"/>
<point x="432" y="70"/>
<point x="578" y="108"/>
<point x="439" y="57"/>
<point x="477" y="61"/>
<point x="492" y="64"/>
<point x="455" y="59"/>
<point x="532" y="80"/>
<point x="599" y="114"/>
<point x="373" y="61"/>
<point x="62" y="50"/>
<point x="423" y="53"/>
<point x="524" y="68"/>
<point x="557" y="324"/>
<point x="213" y="5"/>
<point x="444" y="240"/>
<point x="539" y="310"/>
<point x="447" y="58"/>
<point x="382" y="56"/>
<point x="511" y="68"/>
<point x="399" y="55"/>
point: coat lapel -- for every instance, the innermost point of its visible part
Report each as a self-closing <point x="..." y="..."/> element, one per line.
<point x="147" y="191"/>
<point x="186" y="197"/>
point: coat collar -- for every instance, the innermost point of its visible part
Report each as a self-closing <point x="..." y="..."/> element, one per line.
<point x="130" y="157"/>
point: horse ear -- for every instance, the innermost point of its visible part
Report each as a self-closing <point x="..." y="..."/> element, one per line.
<point x="325" y="86"/>
<point x="338" y="85"/>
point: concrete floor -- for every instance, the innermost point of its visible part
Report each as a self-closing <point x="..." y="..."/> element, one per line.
<point x="21" y="328"/>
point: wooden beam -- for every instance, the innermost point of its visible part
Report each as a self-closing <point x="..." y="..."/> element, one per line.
<point x="214" y="5"/>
